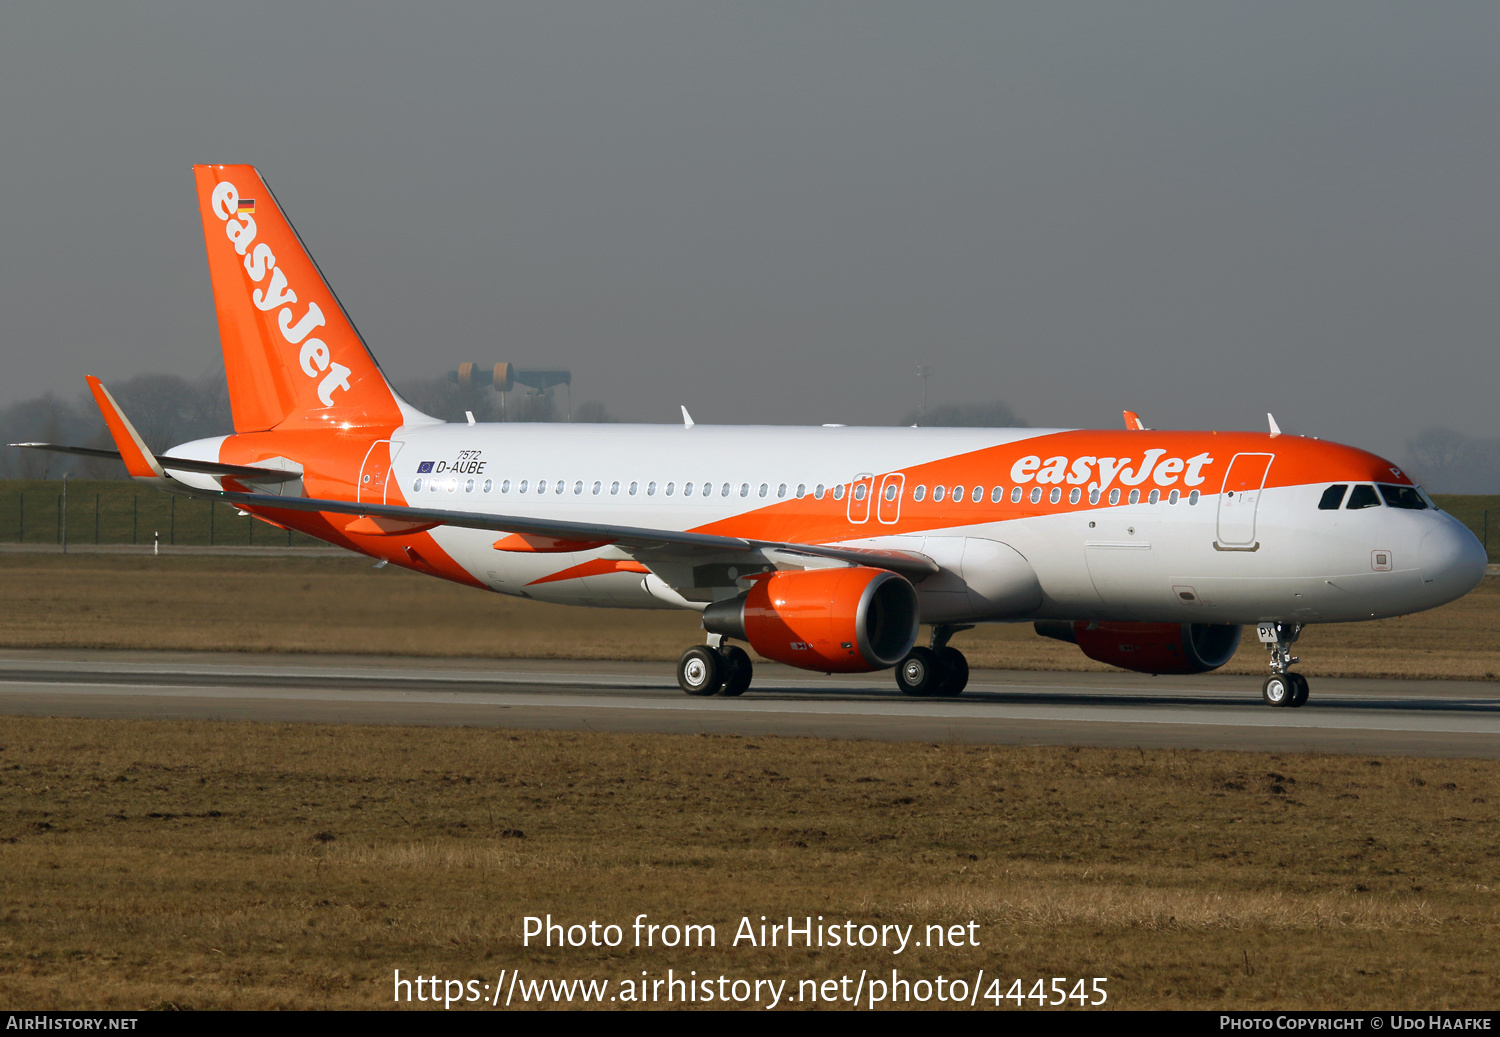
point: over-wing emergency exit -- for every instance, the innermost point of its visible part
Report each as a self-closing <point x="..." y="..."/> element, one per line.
<point x="823" y="548"/>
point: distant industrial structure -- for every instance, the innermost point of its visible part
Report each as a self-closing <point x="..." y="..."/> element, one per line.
<point x="504" y="377"/>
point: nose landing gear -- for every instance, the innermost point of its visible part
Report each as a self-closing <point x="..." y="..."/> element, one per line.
<point x="1283" y="687"/>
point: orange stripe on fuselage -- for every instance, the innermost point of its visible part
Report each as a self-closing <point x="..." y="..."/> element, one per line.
<point x="331" y="459"/>
<point x="597" y="567"/>
<point x="1298" y="461"/>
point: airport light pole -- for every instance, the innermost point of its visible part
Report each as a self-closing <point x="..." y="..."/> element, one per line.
<point x="923" y="372"/>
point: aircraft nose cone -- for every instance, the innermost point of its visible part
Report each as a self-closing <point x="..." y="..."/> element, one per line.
<point x="1452" y="559"/>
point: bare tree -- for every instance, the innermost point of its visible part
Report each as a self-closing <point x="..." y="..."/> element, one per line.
<point x="1446" y="461"/>
<point x="592" y="411"/>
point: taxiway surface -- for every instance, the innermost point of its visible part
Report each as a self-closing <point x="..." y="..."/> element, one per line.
<point x="1430" y="718"/>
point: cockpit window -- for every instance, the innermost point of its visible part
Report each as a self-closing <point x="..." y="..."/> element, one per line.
<point x="1333" y="497"/>
<point x="1362" y="497"/>
<point x="1408" y="497"/>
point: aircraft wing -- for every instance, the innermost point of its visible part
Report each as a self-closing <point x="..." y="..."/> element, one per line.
<point x="586" y="535"/>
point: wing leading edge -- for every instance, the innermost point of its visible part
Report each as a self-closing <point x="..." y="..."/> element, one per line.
<point x="908" y="563"/>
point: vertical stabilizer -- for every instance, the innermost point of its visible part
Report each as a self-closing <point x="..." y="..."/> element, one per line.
<point x="291" y="355"/>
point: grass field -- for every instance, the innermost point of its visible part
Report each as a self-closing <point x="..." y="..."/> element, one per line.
<point x="342" y="604"/>
<point x="204" y="865"/>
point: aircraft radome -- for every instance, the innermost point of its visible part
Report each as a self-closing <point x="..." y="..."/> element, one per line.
<point x="823" y="548"/>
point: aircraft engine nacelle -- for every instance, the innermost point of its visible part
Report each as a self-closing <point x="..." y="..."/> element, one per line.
<point x="1149" y="647"/>
<point x="843" y="620"/>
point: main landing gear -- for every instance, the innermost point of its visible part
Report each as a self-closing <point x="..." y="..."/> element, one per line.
<point x="934" y="671"/>
<point x="714" y="669"/>
<point x="1283" y="687"/>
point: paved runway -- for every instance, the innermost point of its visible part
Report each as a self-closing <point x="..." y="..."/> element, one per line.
<point x="1431" y="718"/>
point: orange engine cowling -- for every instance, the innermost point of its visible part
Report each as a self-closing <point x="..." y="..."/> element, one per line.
<point x="1149" y="647"/>
<point x="843" y="620"/>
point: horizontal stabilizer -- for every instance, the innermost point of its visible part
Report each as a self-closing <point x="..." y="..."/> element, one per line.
<point x="244" y="473"/>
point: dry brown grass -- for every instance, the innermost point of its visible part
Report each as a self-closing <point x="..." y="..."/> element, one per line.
<point x="338" y="604"/>
<point x="251" y="866"/>
<point x="341" y="604"/>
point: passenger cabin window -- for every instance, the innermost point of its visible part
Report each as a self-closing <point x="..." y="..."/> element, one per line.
<point x="1408" y="497"/>
<point x="1362" y="497"/>
<point x="1333" y="497"/>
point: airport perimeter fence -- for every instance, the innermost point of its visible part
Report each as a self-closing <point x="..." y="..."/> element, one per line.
<point x="110" y="511"/>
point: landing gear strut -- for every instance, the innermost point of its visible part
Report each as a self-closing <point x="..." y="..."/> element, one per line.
<point x="715" y="669"/>
<point x="937" y="670"/>
<point x="1283" y="687"/>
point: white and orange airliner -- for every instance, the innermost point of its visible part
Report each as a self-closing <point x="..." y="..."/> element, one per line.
<point x="823" y="548"/>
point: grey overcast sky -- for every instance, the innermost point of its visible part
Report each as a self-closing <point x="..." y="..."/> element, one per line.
<point x="771" y="211"/>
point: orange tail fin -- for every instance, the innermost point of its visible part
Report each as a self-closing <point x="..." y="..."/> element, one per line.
<point x="291" y="355"/>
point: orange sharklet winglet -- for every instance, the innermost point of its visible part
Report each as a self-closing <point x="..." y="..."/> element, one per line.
<point x="1133" y="421"/>
<point x="139" y="461"/>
